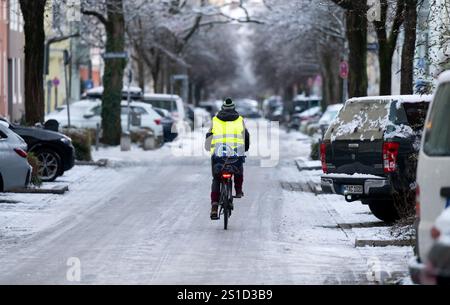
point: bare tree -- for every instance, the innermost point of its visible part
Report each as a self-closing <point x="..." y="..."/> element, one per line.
<point x="110" y="14"/>
<point x="356" y="32"/>
<point x="33" y="12"/>
<point x="388" y="41"/>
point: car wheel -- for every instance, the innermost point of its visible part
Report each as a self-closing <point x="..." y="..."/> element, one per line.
<point x="50" y="165"/>
<point x="383" y="210"/>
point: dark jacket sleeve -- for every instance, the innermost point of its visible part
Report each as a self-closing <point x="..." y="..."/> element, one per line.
<point x="247" y="140"/>
<point x="208" y="141"/>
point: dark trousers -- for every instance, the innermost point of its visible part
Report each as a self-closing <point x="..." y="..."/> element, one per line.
<point x="217" y="178"/>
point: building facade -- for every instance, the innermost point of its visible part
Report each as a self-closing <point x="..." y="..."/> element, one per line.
<point x="12" y="41"/>
<point x="85" y="64"/>
<point x="4" y="29"/>
<point x="16" y="60"/>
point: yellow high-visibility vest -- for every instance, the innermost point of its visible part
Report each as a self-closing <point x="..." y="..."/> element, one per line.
<point x="228" y="138"/>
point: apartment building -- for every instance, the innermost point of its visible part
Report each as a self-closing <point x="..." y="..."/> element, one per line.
<point x="4" y="28"/>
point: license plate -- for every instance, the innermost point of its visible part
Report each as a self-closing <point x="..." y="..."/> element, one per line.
<point x="353" y="189"/>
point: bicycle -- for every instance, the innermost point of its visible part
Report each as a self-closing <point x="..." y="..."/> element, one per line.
<point x="227" y="171"/>
<point x="226" y="198"/>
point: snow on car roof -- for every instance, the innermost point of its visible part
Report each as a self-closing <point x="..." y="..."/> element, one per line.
<point x="154" y="96"/>
<point x="100" y="89"/>
<point x="303" y="97"/>
<point x="402" y="98"/>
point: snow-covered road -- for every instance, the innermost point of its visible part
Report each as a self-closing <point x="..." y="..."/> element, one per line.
<point x="147" y="222"/>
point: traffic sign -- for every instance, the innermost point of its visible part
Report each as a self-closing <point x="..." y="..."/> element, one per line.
<point x="344" y="70"/>
<point x="56" y="82"/>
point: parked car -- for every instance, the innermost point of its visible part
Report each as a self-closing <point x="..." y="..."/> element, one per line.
<point x="433" y="172"/>
<point x="87" y="114"/>
<point x="325" y="120"/>
<point x="273" y="108"/>
<point x="212" y="107"/>
<point x="329" y="116"/>
<point x="369" y="153"/>
<point x="302" y="103"/>
<point x="436" y="270"/>
<point x="248" y="108"/>
<point x="54" y="150"/>
<point x="15" y="172"/>
<point x="172" y="103"/>
<point x="168" y="124"/>
<point x="309" y="116"/>
<point x="198" y="117"/>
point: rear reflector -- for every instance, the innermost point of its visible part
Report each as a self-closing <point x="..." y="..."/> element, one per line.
<point x="390" y="154"/>
<point x="21" y="152"/>
<point x="323" y="157"/>
<point x="158" y="122"/>
<point x="226" y="176"/>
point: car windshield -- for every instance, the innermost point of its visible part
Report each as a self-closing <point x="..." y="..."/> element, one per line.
<point x="168" y="105"/>
<point x="416" y="114"/>
<point x="437" y="136"/>
<point x="361" y="120"/>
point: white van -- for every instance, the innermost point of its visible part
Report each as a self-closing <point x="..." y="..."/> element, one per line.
<point x="172" y="103"/>
<point x="433" y="172"/>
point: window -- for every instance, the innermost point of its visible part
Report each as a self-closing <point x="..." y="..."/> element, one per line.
<point x="164" y="104"/>
<point x="416" y="114"/>
<point x="2" y="135"/>
<point x="139" y="110"/>
<point x="15" y="16"/>
<point x="437" y="131"/>
<point x="19" y="81"/>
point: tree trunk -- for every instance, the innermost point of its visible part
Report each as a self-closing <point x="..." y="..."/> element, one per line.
<point x="385" y="60"/>
<point x="409" y="45"/>
<point x="141" y="74"/>
<point x="33" y="15"/>
<point x="357" y="40"/>
<point x="113" y="75"/>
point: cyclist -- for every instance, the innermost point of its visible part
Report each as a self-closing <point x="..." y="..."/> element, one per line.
<point x="227" y="139"/>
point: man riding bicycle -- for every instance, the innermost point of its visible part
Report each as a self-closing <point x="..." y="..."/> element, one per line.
<point x="227" y="140"/>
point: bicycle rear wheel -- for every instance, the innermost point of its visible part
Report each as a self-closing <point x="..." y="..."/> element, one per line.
<point x="225" y="217"/>
<point x="227" y="203"/>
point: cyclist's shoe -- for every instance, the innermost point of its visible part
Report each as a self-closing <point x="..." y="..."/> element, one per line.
<point x="215" y="211"/>
<point x="239" y="195"/>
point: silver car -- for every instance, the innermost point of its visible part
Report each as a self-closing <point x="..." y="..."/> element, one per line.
<point x="15" y="172"/>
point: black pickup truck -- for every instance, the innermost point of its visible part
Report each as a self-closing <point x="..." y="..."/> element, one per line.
<point x="369" y="153"/>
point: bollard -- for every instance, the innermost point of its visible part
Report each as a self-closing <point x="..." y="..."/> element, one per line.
<point x="97" y="137"/>
<point x="149" y="142"/>
<point x="125" y="142"/>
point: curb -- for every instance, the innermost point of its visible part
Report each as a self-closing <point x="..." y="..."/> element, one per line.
<point x="359" y="243"/>
<point x="301" y="165"/>
<point x="99" y="163"/>
<point x="57" y="190"/>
